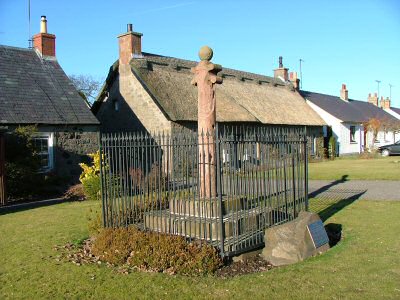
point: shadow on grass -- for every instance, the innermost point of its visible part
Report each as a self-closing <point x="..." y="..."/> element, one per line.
<point x="334" y="232"/>
<point x="329" y="201"/>
<point x="330" y="206"/>
<point x="328" y="186"/>
<point x="29" y="205"/>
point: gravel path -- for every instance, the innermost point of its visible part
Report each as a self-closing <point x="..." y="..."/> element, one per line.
<point x="360" y="189"/>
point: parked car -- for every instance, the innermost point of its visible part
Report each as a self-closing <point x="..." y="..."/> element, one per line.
<point x="390" y="149"/>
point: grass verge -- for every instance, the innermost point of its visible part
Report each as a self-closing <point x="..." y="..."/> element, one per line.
<point x="387" y="168"/>
<point x="365" y="265"/>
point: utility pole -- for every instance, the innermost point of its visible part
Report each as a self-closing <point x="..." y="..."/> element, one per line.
<point x="390" y="90"/>
<point x="29" y="25"/>
<point x="378" y="81"/>
<point x="301" y="74"/>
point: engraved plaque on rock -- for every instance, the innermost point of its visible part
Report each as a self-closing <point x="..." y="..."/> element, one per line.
<point x="318" y="234"/>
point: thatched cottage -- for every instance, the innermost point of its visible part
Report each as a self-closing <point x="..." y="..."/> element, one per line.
<point x="150" y="92"/>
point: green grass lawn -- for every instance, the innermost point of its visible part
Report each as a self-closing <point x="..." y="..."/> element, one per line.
<point x="365" y="265"/>
<point x="387" y="168"/>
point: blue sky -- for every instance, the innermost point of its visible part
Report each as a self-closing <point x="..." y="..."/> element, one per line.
<point x="352" y="42"/>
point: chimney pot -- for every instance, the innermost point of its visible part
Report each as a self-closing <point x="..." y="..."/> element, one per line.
<point x="129" y="28"/>
<point x="281" y="72"/>
<point x="43" y="24"/>
<point x="44" y="42"/>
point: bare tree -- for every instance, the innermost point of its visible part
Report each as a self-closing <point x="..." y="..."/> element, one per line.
<point x="373" y="125"/>
<point x="87" y="86"/>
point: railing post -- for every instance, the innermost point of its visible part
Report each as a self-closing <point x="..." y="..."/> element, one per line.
<point x="103" y="202"/>
<point x="3" y="196"/>
<point x="219" y="189"/>
<point x="306" y="170"/>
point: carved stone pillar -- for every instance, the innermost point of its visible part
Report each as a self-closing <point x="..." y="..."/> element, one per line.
<point x="205" y="78"/>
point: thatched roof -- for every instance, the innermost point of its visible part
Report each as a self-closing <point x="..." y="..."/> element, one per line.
<point x="242" y="97"/>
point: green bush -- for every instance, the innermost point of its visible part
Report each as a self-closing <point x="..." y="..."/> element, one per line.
<point x="156" y="252"/>
<point x="22" y="164"/>
<point x="332" y="147"/>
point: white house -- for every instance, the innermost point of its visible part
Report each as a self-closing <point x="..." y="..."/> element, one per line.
<point x="394" y="111"/>
<point x="347" y="117"/>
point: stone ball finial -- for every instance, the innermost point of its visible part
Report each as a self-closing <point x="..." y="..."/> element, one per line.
<point x="205" y="53"/>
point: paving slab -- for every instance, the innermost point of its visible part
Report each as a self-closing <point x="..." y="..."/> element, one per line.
<point x="388" y="190"/>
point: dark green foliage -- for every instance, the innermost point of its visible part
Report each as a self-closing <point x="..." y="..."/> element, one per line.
<point x="156" y="252"/>
<point x="320" y="151"/>
<point x="22" y="164"/>
<point x="332" y="147"/>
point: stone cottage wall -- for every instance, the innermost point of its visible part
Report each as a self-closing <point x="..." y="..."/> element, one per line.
<point x="71" y="147"/>
<point x="129" y="107"/>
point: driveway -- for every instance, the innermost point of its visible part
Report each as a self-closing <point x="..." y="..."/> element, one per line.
<point x="363" y="189"/>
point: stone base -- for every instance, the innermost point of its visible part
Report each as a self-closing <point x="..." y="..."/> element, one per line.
<point x="204" y="207"/>
<point x="202" y="227"/>
<point x="291" y="242"/>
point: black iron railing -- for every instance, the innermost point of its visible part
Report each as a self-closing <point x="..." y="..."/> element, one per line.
<point x="162" y="183"/>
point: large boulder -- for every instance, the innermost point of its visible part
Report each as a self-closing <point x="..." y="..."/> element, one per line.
<point x="296" y="240"/>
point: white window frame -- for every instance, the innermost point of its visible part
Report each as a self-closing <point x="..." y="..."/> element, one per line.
<point x="50" y="149"/>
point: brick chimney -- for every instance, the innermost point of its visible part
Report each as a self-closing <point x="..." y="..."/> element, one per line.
<point x="373" y="99"/>
<point x="385" y="103"/>
<point x="344" y="93"/>
<point x="44" y="42"/>
<point x="130" y="45"/>
<point x="294" y="80"/>
<point x="281" y="72"/>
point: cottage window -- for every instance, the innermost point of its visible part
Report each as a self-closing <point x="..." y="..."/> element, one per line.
<point x="353" y="134"/>
<point x="386" y="135"/>
<point x="43" y="145"/>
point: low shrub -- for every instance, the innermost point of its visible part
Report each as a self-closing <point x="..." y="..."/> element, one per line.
<point x="157" y="252"/>
<point x="75" y="193"/>
<point x="369" y="155"/>
<point x="90" y="177"/>
<point x="154" y="180"/>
